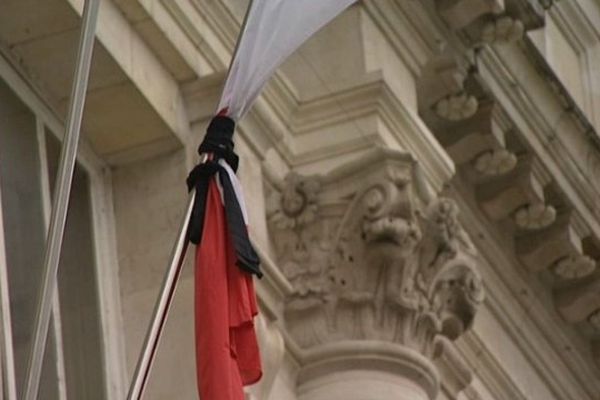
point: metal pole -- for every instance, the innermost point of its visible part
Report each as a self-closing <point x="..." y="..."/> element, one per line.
<point x="161" y="308"/>
<point x="61" y="196"/>
<point x="8" y="385"/>
<point x="167" y="291"/>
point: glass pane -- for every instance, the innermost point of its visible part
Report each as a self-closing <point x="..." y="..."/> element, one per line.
<point x="80" y="312"/>
<point x="23" y="228"/>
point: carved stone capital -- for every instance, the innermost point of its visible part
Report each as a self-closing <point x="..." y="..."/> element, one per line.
<point x="369" y="260"/>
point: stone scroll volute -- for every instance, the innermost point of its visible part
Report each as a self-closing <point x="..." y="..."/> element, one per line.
<point x="369" y="260"/>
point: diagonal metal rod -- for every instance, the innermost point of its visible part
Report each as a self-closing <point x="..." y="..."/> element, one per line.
<point x="8" y="386"/>
<point x="161" y="308"/>
<point x="60" y="204"/>
<point x="163" y="303"/>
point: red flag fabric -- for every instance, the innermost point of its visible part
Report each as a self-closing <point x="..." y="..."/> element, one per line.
<point x="227" y="354"/>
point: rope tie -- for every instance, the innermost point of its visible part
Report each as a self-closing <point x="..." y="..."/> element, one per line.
<point x="219" y="142"/>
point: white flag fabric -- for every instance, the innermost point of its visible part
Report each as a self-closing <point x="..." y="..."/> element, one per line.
<point x="274" y="29"/>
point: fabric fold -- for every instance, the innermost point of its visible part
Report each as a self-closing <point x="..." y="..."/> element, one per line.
<point x="225" y="304"/>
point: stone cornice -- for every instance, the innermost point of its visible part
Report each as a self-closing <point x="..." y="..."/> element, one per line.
<point x="521" y="96"/>
<point x="511" y="297"/>
<point x="488" y="369"/>
<point x="372" y="99"/>
<point x="520" y="92"/>
<point x="411" y="34"/>
<point x="553" y="136"/>
<point x="212" y="30"/>
<point x="147" y="73"/>
<point x="179" y="32"/>
<point x="281" y="120"/>
<point x="579" y="20"/>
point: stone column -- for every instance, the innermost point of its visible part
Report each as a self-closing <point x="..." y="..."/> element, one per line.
<point x="367" y="370"/>
<point x="384" y="277"/>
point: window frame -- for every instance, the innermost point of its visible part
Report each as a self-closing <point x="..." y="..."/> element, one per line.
<point x="8" y="386"/>
<point x="573" y="23"/>
<point x="103" y="233"/>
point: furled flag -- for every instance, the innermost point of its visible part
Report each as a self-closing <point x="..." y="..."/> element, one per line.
<point x="226" y="347"/>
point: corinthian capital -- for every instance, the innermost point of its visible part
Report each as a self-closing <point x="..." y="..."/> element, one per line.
<point x="370" y="260"/>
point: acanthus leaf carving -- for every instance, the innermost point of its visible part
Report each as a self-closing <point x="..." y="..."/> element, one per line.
<point x="372" y="261"/>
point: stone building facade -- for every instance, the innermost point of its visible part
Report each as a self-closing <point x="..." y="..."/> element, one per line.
<point x="422" y="181"/>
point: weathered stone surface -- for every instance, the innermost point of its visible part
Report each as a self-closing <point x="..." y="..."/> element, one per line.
<point x="460" y="13"/>
<point x="440" y="78"/>
<point x="456" y="107"/>
<point x="574" y="266"/>
<point x="495" y="162"/>
<point x="504" y="29"/>
<point x="373" y="262"/>
<point x="502" y="196"/>
<point x="544" y="248"/>
<point x="579" y="302"/>
<point x="535" y="216"/>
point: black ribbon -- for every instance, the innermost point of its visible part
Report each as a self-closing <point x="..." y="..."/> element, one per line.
<point x="219" y="142"/>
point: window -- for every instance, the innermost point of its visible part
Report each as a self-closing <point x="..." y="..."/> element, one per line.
<point x="74" y="360"/>
<point x="570" y="47"/>
<point x="567" y="60"/>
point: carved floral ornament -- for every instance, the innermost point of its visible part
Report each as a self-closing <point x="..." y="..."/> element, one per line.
<point x="503" y="29"/>
<point x="368" y="260"/>
<point x="457" y="107"/>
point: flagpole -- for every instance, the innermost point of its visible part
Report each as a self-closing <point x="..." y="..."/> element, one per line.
<point x="162" y="306"/>
<point x="61" y="197"/>
<point x="161" y="309"/>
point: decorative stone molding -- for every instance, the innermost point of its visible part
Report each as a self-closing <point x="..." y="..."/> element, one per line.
<point x="298" y="202"/>
<point x="469" y="125"/>
<point x="575" y="266"/>
<point x="504" y="29"/>
<point x="455" y="372"/>
<point x="535" y="216"/>
<point x="504" y="195"/>
<point x="439" y="80"/>
<point x="495" y="162"/>
<point x="545" y="239"/>
<point x="456" y="107"/>
<point x="558" y="245"/>
<point x="482" y="16"/>
<point x="578" y="301"/>
<point x="369" y="260"/>
<point x="460" y="13"/>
